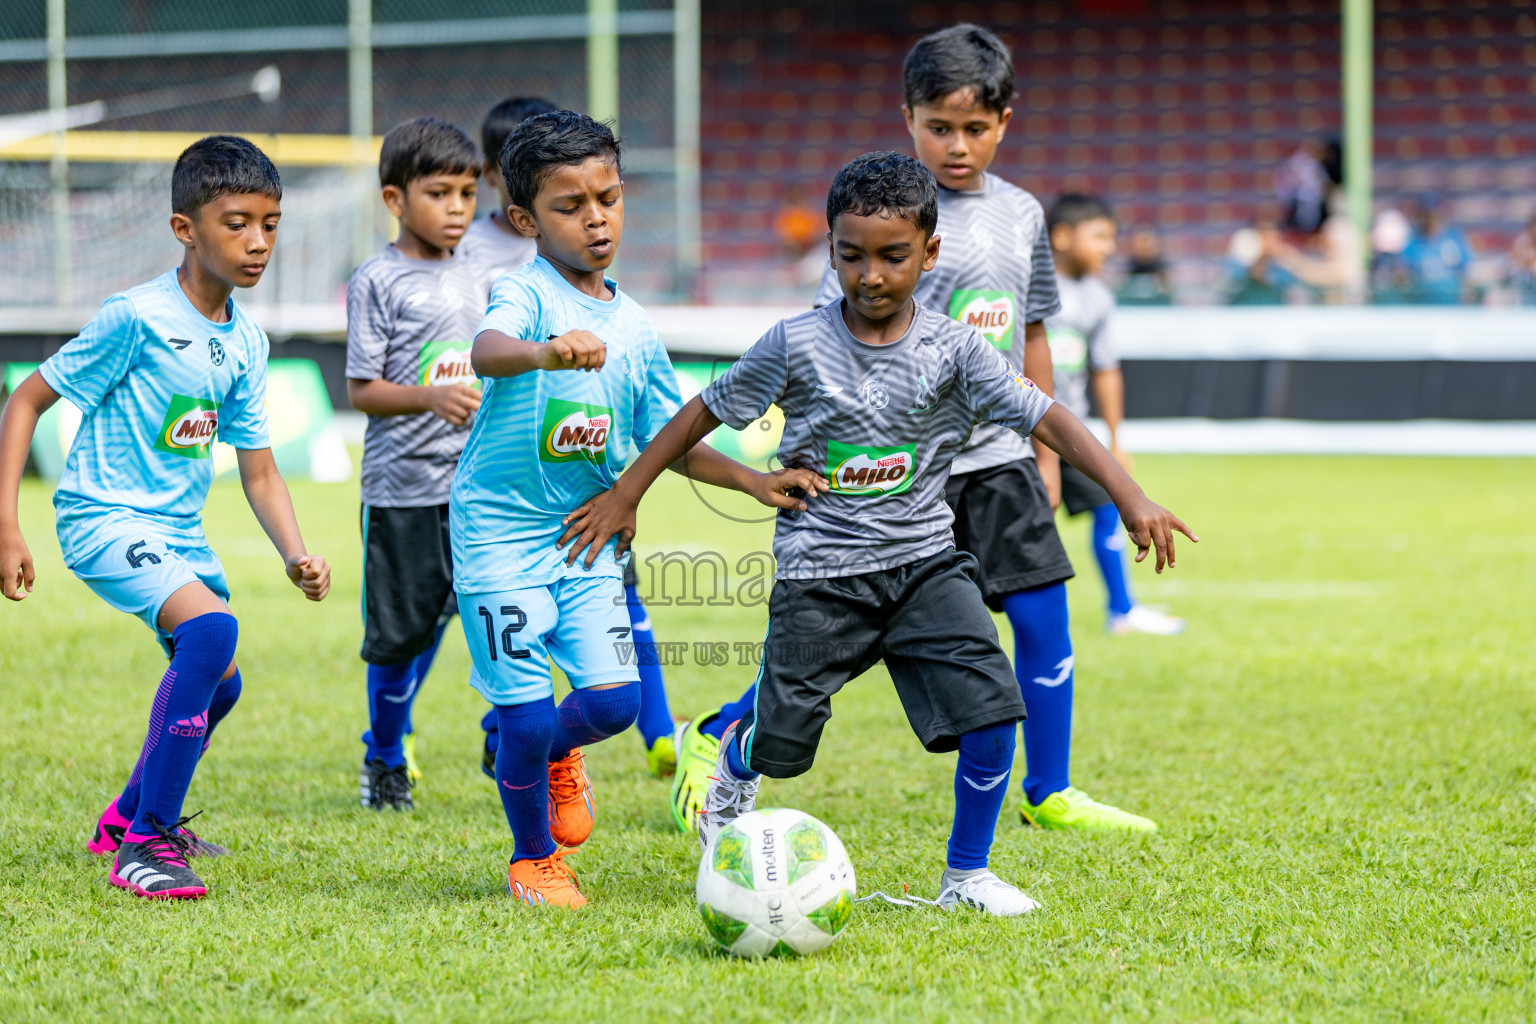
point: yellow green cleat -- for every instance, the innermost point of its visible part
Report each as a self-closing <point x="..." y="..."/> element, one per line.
<point x="661" y="758"/>
<point x="412" y="766"/>
<point x="696" y="755"/>
<point x="1072" y="808"/>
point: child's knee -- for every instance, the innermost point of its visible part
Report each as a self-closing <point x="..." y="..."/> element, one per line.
<point x="612" y="709"/>
<point x="527" y="726"/>
<point x="991" y="745"/>
<point x="209" y="639"/>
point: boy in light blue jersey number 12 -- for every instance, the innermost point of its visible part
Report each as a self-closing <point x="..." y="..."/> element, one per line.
<point x="575" y="382"/>
<point x="158" y="374"/>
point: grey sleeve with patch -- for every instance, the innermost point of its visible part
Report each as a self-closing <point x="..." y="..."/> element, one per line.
<point x="998" y="393"/>
<point x="754" y="382"/>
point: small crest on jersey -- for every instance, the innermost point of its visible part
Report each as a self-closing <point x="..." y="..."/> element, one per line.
<point x="215" y="352"/>
<point x="875" y="394"/>
<point x="990" y="312"/>
<point x="862" y="471"/>
<point x="189" y="427"/>
<point x="446" y="362"/>
<point x="573" y="431"/>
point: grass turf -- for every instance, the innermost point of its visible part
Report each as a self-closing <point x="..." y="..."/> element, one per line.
<point x="1338" y="750"/>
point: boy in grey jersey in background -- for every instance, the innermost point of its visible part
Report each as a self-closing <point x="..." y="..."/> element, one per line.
<point x="1083" y="354"/>
<point x="879" y="396"/>
<point x="411" y="317"/>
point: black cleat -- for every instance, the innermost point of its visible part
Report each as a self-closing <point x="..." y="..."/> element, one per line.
<point x="156" y="868"/>
<point x="381" y="786"/>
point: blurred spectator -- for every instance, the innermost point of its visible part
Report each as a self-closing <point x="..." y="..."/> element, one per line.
<point x="1332" y="261"/>
<point x="802" y="232"/>
<point x="1391" y="281"/>
<point x="1436" y="257"/>
<point x="1301" y="186"/>
<point x="1254" y="278"/>
<point x="1146" y="272"/>
<point x="1520" y="270"/>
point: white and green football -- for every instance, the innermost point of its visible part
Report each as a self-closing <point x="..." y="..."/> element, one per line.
<point x="775" y="882"/>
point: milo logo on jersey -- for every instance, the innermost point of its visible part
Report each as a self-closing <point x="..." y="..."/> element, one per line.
<point x="575" y="431"/>
<point x="189" y="427"/>
<point x="1069" y="349"/>
<point x="865" y="472"/>
<point x="446" y="362"/>
<point x="989" y="312"/>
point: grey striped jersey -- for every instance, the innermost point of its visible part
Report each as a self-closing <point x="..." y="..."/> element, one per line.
<point x="491" y="252"/>
<point x="883" y="423"/>
<point x="1082" y="342"/>
<point x="994" y="273"/>
<point x="411" y="322"/>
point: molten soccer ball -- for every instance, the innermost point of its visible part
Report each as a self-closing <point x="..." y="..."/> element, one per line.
<point x="775" y="882"/>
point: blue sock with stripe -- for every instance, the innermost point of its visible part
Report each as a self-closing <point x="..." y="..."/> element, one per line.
<point x="223" y="701"/>
<point x="587" y="716"/>
<point x="1109" y="550"/>
<point x="655" y="719"/>
<point x="522" y="774"/>
<point x="391" y="691"/>
<point x="1042" y="660"/>
<point x="981" y="786"/>
<point x="732" y="712"/>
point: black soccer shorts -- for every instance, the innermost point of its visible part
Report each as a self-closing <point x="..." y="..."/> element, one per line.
<point x="407" y="581"/>
<point x="1003" y="516"/>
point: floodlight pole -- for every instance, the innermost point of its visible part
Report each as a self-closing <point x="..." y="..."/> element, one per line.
<point x="1357" y="92"/>
<point x="360" y="123"/>
<point x="686" y="79"/>
<point x="58" y="157"/>
<point x="603" y="61"/>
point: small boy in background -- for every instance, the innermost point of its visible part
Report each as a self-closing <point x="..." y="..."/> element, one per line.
<point x="1082" y="231"/>
<point x="411" y="316"/>
<point x="493" y="247"/>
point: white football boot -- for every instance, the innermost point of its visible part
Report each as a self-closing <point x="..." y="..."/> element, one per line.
<point x="727" y="798"/>
<point x="984" y="891"/>
<point x="1143" y="619"/>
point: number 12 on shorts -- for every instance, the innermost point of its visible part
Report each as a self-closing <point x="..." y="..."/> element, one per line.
<point x="517" y="620"/>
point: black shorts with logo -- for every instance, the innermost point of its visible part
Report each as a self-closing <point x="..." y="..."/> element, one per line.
<point x="407" y="581"/>
<point x="1003" y="516"/>
<point x="924" y="619"/>
<point x="1079" y="493"/>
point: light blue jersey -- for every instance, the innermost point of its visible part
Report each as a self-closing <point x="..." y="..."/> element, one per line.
<point x="155" y="382"/>
<point x="546" y="441"/>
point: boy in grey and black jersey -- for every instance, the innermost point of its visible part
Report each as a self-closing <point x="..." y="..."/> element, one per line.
<point x="412" y="311"/>
<point x="879" y="396"/>
<point x="1083" y="354"/>
<point x="995" y="272"/>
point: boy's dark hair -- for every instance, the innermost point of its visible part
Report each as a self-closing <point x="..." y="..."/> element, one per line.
<point x="964" y="57"/>
<point x="543" y="142"/>
<point x="507" y="115"/>
<point x="1074" y="208"/>
<point x="220" y="165"/>
<point x="885" y="182"/>
<point x="422" y="147"/>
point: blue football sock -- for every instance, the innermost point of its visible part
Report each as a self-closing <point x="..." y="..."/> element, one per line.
<point x="1109" y="549"/>
<point x="391" y="691"/>
<point x="587" y="716"/>
<point x="981" y="786"/>
<point x="655" y="719"/>
<point x="492" y="730"/>
<point x="423" y="666"/>
<point x="522" y="774"/>
<point x="732" y="712"/>
<point x="736" y="762"/>
<point x="224" y="697"/>
<point x="1042" y="660"/>
<point x="178" y="721"/>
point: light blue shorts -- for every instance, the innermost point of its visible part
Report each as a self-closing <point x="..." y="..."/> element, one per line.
<point x="135" y="570"/>
<point x="580" y="624"/>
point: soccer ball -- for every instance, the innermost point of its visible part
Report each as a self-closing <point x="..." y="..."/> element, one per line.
<point x="775" y="882"/>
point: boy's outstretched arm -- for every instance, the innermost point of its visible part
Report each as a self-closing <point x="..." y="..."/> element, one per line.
<point x="1150" y="525"/>
<point x="494" y="354"/>
<point x="269" y="499"/>
<point x="27" y="403"/>
<point x="612" y="513"/>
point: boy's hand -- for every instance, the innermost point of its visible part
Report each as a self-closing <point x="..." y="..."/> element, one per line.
<point x="590" y="527"/>
<point x="1150" y="526"/>
<point x="573" y="350"/>
<point x="772" y="489"/>
<point x="311" y="574"/>
<point x="1123" y="457"/>
<point x="16" y="573"/>
<point x="455" y="403"/>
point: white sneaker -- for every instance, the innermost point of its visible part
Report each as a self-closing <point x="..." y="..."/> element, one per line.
<point x="1142" y="619"/>
<point x="984" y="892"/>
<point x="727" y="798"/>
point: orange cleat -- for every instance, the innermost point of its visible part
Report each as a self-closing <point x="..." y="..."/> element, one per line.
<point x="545" y="882"/>
<point x="570" y="800"/>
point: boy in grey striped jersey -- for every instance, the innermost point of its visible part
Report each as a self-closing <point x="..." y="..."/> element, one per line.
<point x="879" y="395"/>
<point x="995" y="272"/>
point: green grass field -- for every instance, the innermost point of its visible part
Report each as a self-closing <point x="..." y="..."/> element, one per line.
<point x="1339" y="750"/>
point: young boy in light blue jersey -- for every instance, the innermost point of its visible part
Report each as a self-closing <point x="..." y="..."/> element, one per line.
<point x="575" y="382"/>
<point x="160" y="372"/>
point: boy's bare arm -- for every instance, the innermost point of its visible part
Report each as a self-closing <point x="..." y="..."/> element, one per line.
<point x="455" y="403"/>
<point x="1038" y="368"/>
<point x="269" y="499"/>
<point x="612" y="513"/>
<point x="496" y="355"/>
<point x="18" y="422"/>
<point x="1109" y="394"/>
<point x="1150" y="525"/>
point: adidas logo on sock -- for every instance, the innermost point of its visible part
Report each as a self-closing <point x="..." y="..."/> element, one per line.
<point x="193" y="727"/>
